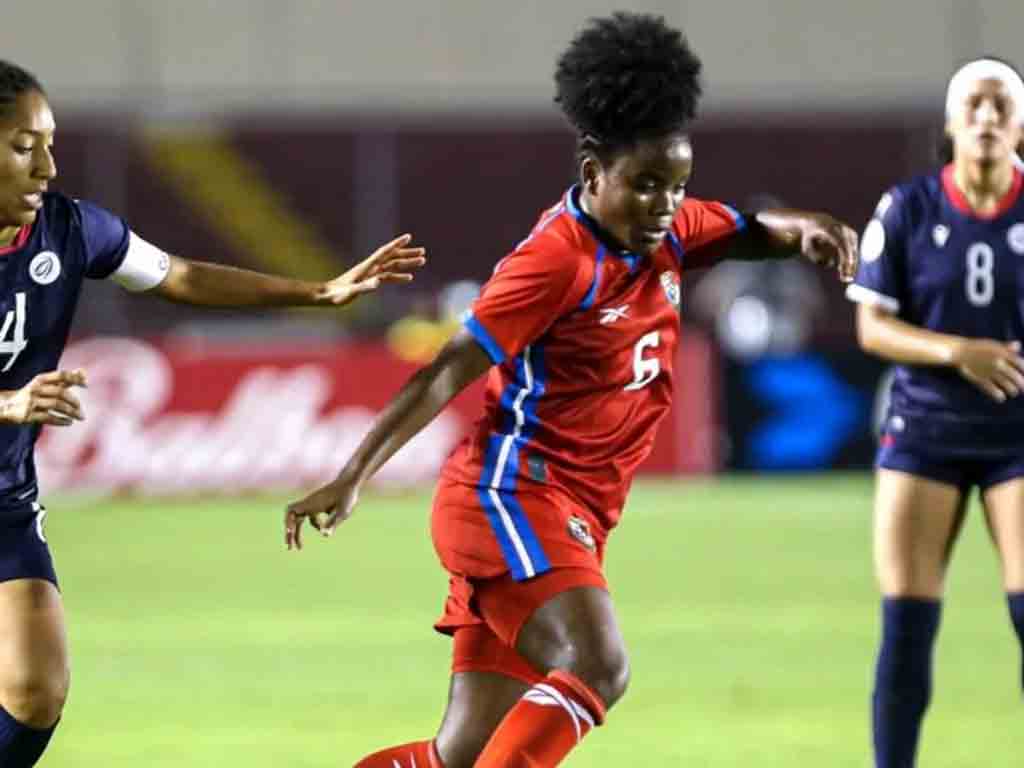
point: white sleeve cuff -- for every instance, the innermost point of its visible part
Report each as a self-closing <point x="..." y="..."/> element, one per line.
<point x="145" y="266"/>
<point x="862" y="295"/>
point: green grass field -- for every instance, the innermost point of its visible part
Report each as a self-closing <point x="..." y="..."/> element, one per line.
<point x="748" y="605"/>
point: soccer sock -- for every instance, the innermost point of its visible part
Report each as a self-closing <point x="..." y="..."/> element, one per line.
<point x="544" y="725"/>
<point x="419" y="754"/>
<point x="21" y="745"/>
<point x="1016" y="602"/>
<point x="903" y="678"/>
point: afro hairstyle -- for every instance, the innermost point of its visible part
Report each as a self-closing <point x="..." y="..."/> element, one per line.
<point x="626" y="78"/>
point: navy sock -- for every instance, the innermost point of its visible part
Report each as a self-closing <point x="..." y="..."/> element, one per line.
<point x="20" y="745"/>
<point x="903" y="678"/>
<point x="1016" y="602"/>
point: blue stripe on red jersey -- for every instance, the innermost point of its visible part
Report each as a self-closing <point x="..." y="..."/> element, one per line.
<point x="519" y="543"/>
<point x="677" y="247"/>
<point x="478" y="332"/>
<point x="584" y="218"/>
<point x="741" y="222"/>
<point x="588" y="300"/>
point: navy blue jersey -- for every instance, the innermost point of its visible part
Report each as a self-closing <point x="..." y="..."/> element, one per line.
<point x="40" y="281"/>
<point x="930" y="259"/>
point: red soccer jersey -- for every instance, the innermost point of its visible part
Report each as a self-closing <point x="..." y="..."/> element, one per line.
<point x="583" y="339"/>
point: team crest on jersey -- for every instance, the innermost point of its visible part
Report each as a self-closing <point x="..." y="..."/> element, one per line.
<point x="670" y="283"/>
<point x="44" y="268"/>
<point x="940" y="235"/>
<point x="1015" y="238"/>
<point x="580" y="531"/>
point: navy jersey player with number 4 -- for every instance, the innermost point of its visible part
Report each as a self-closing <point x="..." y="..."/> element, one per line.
<point x="941" y="292"/>
<point x="49" y="244"/>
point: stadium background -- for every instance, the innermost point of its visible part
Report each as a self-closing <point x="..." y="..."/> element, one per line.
<point x="296" y="136"/>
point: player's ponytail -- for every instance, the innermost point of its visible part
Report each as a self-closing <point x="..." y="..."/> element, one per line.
<point x="15" y="81"/>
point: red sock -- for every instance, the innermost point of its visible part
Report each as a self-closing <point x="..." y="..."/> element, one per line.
<point x="419" y="754"/>
<point x="544" y="726"/>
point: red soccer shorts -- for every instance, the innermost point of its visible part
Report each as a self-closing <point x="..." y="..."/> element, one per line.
<point x="486" y="606"/>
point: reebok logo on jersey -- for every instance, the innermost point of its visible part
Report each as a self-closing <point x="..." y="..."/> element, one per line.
<point x="44" y="268"/>
<point x="940" y="234"/>
<point x="610" y="314"/>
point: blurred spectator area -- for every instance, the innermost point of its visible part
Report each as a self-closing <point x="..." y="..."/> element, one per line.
<point x="297" y="135"/>
<point x="306" y="195"/>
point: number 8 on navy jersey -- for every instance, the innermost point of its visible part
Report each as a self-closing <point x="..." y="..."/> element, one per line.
<point x="927" y="257"/>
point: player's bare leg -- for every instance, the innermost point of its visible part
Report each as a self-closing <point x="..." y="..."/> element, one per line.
<point x="34" y="672"/>
<point x="917" y="521"/>
<point x="578" y="632"/>
<point x="574" y="639"/>
<point x="477" y="703"/>
<point x="1004" y="511"/>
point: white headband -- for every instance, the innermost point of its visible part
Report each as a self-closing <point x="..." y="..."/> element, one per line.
<point x="984" y="69"/>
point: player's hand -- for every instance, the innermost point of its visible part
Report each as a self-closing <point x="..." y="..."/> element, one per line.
<point x="828" y="242"/>
<point x="46" y="399"/>
<point x="393" y="262"/>
<point x="326" y="509"/>
<point x="995" y="367"/>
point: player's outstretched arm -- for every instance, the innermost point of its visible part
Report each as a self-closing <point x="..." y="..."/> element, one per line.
<point x="216" y="285"/>
<point x="995" y="367"/>
<point x="818" y="237"/>
<point x="461" y="362"/>
<point x="46" y="399"/>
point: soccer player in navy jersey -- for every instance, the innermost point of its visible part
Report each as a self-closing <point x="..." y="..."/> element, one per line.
<point x="578" y="328"/>
<point x="49" y="243"/>
<point x="941" y="293"/>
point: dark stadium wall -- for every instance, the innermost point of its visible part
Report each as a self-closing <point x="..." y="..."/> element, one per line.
<point x="307" y="196"/>
<point x="468" y="189"/>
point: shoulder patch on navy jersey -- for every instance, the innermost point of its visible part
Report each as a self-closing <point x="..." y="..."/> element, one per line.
<point x="884" y="204"/>
<point x="1015" y="238"/>
<point x="44" y="268"/>
<point x="872" y="243"/>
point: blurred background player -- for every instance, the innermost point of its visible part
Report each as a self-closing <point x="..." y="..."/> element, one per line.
<point x="48" y="244"/>
<point x="939" y="292"/>
<point x="578" y="328"/>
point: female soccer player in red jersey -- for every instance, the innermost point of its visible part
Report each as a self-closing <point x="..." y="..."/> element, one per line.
<point x="578" y="327"/>
<point x="940" y="294"/>
<point x="48" y="244"/>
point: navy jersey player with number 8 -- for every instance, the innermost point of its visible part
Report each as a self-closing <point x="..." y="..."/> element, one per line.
<point x="941" y="292"/>
<point x="49" y="243"/>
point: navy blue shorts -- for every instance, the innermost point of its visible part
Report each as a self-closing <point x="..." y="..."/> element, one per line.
<point x="24" y="553"/>
<point x="936" y="461"/>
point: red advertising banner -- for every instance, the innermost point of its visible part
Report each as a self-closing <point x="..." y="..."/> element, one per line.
<point x="186" y="417"/>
